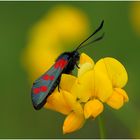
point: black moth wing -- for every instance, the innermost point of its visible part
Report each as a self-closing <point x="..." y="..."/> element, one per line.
<point x="46" y="84"/>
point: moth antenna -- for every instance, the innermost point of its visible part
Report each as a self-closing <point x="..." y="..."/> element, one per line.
<point x="97" y="39"/>
<point x="97" y="30"/>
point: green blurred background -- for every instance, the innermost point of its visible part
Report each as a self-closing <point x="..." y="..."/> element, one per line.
<point x="18" y="119"/>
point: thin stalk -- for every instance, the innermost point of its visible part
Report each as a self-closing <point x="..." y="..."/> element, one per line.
<point x="101" y="127"/>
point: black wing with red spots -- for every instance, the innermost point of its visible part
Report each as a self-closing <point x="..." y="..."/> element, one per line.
<point x="45" y="84"/>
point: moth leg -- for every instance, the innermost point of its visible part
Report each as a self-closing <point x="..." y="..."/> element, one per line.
<point x="59" y="87"/>
<point x="59" y="84"/>
<point x="77" y="66"/>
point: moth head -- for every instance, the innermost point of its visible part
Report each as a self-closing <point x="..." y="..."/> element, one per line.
<point x="76" y="55"/>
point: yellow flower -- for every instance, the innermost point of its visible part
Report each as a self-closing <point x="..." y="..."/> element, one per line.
<point x="83" y="96"/>
<point x="49" y="37"/>
<point x="135" y="16"/>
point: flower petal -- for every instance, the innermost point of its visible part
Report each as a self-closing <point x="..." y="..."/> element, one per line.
<point x="71" y="101"/>
<point x="93" y="108"/>
<point x="102" y="84"/>
<point x="115" y="70"/>
<point x="123" y="93"/>
<point x="85" y="59"/>
<point x="67" y="82"/>
<point x="82" y="89"/>
<point x="57" y="102"/>
<point x="84" y="68"/>
<point x="117" y="99"/>
<point x="86" y="63"/>
<point x="73" y="122"/>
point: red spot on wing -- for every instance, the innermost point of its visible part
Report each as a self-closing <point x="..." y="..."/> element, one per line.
<point x="40" y="89"/>
<point x="61" y="63"/>
<point x="48" y="77"/>
<point x="51" y="77"/>
<point x="36" y="90"/>
<point x="43" y="88"/>
<point x="56" y="65"/>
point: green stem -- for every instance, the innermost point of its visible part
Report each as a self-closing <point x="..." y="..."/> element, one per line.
<point x="101" y="127"/>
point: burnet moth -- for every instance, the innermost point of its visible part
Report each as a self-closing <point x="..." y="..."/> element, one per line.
<point x="65" y="63"/>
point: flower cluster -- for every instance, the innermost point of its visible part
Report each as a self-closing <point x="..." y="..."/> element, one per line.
<point x="83" y="96"/>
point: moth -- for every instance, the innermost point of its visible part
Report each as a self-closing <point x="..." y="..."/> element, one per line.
<point x="65" y="63"/>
